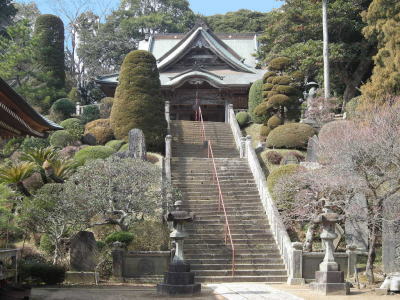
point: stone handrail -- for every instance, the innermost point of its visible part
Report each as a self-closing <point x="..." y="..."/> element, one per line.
<point x="291" y="256"/>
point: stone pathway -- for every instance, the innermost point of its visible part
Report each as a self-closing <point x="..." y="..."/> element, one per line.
<point x="251" y="291"/>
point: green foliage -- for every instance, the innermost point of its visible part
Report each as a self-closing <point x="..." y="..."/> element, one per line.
<point x="120" y="236"/>
<point x="12" y="145"/>
<point x="74" y="127"/>
<point x="33" y="142"/>
<point x="74" y="95"/>
<point x="265" y="131"/>
<point x="280" y="173"/>
<point x="115" y="144"/>
<point x="101" y="130"/>
<point x="105" y="107"/>
<point x="50" y="52"/>
<point x="382" y="18"/>
<point x="124" y="148"/>
<point x="150" y="235"/>
<point x="256" y="98"/>
<point x="243" y="20"/>
<point x="62" y="109"/>
<point x="267" y="87"/>
<point x="90" y="113"/>
<point x="243" y="118"/>
<point x="285" y="89"/>
<point x="61" y="139"/>
<point x="43" y="273"/>
<point x="274" y="122"/>
<point x="291" y="135"/>
<point x="46" y="244"/>
<point x="138" y="102"/>
<point x="279" y="64"/>
<point x="279" y="100"/>
<point x="267" y="75"/>
<point x="7" y="12"/>
<point x="93" y="152"/>
<point x="352" y="107"/>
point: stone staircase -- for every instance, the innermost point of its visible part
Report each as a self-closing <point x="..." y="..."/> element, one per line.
<point x="256" y="253"/>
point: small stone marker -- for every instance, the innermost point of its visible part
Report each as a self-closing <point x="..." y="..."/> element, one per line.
<point x="356" y="224"/>
<point x="137" y="144"/>
<point x="391" y="236"/>
<point x="312" y="149"/>
<point x="83" y="250"/>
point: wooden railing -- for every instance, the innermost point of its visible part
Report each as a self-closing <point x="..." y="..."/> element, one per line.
<point x="221" y="204"/>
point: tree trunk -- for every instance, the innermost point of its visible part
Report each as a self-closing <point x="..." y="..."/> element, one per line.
<point x="371" y="256"/>
<point x="308" y="244"/>
<point x="55" y="257"/>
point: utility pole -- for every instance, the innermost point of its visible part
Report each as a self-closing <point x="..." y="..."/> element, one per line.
<point x="327" y="84"/>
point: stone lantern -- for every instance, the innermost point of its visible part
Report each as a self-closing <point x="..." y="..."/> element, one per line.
<point x="179" y="279"/>
<point x="329" y="280"/>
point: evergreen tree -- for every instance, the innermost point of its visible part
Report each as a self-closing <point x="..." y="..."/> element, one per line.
<point x="138" y="102"/>
<point x="7" y="12"/>
<point x="383" y="24"/>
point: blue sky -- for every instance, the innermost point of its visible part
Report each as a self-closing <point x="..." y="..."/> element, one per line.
<point x="205" y="7"/>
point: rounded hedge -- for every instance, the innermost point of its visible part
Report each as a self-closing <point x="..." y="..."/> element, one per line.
<point x="124" y="148"/>
<point x="120" y="236"/>
<point x="32" y="142"/>
<point x="286" y="90"/>
<point x="334" y="128"/>
<point x="138" y="101"/>
<point x="263" y="109"/>
<point x="265" y="131"/>
<point x="282" y="80"/>
<point x="115" y="144"/>
<point x="242" y="118"/>
<point x="268" y="75"/>
<point x="267" y="87"/>
<point x="274" y="122"/>
<point x="278" y="100"/>
<point x="271" y="79"/>
<point x="291" y="136"/>
<point x="279" y="63"/>
<point x="71" y="123"/>
<point x="63" y="108"/>
<point x="61" y="139"/>
<point x="90" y="113"/>
<point x="255" y="99"/>
<point x="93" y="152"/>
<point x="279" y="173"/>
<point x="101" y="130"/>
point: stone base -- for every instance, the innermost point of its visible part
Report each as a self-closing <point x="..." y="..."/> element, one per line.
<point x="328" y="289"/>
<point x="329" y="277"/>
<point x="179" y="280"/>
<point x="296" y="281"/>
<point x="381" y="292"/>
<point x="81" y="277"/>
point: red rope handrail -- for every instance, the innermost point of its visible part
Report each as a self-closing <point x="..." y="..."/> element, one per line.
<point x="227" y="229"/>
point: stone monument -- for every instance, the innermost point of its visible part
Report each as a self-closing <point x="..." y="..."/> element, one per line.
<point x="312" y="149"/>
<point x="391" y="235"/>
<point x="179" y="280"/>
<point x="137" y="144"/>
<point x="356" y="224"/>
<point x="329" y="280"/>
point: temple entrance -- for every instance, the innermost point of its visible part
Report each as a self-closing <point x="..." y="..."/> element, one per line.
<point x="211" y="112"/>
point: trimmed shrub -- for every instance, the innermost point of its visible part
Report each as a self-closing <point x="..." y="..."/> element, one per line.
<point x="278" y="100"/>
<point x="279" y="63"/>
<point x="115" y="144"/>
<point x="274" y="122"/>
<point x="271" y="93"/>
<point x="283" y="80"/>
<point x="101" y="130"/>
<point x="267" y="86"/>
<point x="262" y="110"/>
<point x="286" y="90"/>
<point x="242" y="118"/>
<point x="279" y="173"/>
<point x="62" y="109"/>
<point x="268" y="75"/>
<point x="291" y="136"/>
<point x="120" y="236"/>
<point x="273" y="157"/>
<point x="74" y="127"/>
<point x="33" y="142"/>
<point x="138" y="102"/>
<point x="265" y="131"/>
<point x="43" y="273"/>
<point x="124" y="148"/>
<point x="271" y="79"/>
<point x="255" y="99"/>
<point x="90" y="113"/>
<point x="61" y="139"/>
<point x="93" y="152"/>
<point x="105" y="107"/>
<point x="334" y="128"/>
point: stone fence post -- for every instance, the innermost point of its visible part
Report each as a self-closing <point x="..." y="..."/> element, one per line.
<point x="296" y="276"/>
<point x="118" y="254"/>
<point x="248" y="145"/>
<point x="78" y="109"/>
<point x="167" y="116"/>
<point x="242" y="147"/>
<point x="351" y="260"/>
<point x="168" y="155"/>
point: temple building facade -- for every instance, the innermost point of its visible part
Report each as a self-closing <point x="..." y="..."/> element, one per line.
<point x="201" y="68"/>
<point x="18" y="118"/>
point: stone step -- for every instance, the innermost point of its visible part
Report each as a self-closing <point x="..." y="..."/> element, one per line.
<point x="259" y="272"/>
<point x="210" y="247"/>
<point x="228" y="266"/>
<point x="221" y="279"/>
<point x="228" y="260"/>
<point x="238" y="257"/>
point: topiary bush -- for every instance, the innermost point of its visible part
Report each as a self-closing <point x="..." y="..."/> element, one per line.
<point x="268" y="75"/>
<point x="255" y="99"/>
<point x="279" y="173"/>
<point x="43" y="273"/>
<point x="115" y="144"/>
<point x="279" y="64"/>
<point x="273" y="157"/>
<point x="274" y="122"/>
<point x="90" y="113"/>
<point x="264" y="131"/>
<point x="120" y="236"/>
<point x="93" y="152"/>
<point x="62" y="109"/>
<point x="74" y="127"/>
<point x="243" y="118"/>
<point x="101" y="130"/>
<point x="291" y="136"/>
<point x="61" y="139"/>
<point x="138" y="102"/>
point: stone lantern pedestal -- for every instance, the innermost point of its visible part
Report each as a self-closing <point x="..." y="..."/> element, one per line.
<point x="329" y="280"/>
<point x="179" y="280"/>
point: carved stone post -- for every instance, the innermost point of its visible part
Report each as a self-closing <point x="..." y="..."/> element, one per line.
<point x="167" y="116"/>
<point x="168" y="154"/>
<point x="228" y="108"/>
<point x="351" y="260"/>
<point x="118" y="260"/>
<point x="296" y="276"/>
<point x="248" y="145"/>
<point x="78" y="109"/>
<point x="243" y="147"/>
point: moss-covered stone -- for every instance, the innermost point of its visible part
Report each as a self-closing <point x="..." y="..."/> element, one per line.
<point x="138" y="102"/>
<point x="291" y="136"/>
<point x="101" y="130"/>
